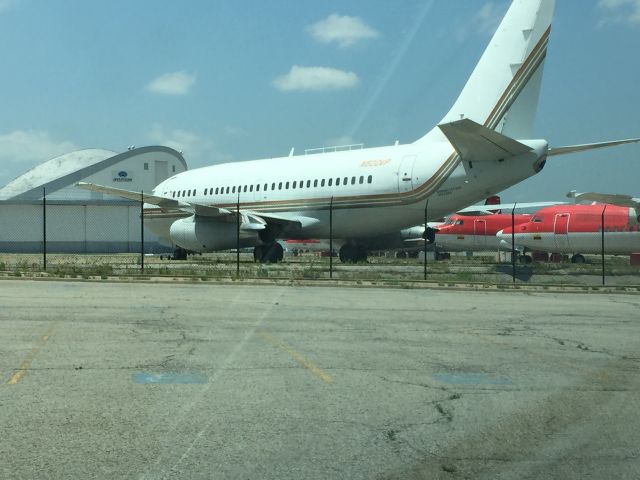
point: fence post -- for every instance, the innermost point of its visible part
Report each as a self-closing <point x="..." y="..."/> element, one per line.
<point x="142" y="230"/>
<point x="238" y="236"/>
<point x="44" y="228"/>
<point x="331" y="238"/>
<point x="602" y="240"/>
<point x="426" y="226"/>
<point x="513" y="243"/>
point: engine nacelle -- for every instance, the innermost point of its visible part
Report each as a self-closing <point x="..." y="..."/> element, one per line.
<point x="209" y="234"/>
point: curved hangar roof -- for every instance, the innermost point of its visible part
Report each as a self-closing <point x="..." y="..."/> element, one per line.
<point x="70" y="168"/>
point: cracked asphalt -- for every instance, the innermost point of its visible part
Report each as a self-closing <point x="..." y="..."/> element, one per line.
<point x="150" y="381"/>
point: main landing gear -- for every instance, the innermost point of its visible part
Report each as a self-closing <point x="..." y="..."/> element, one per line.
<point x="350" y="253"/>
<point x="269" y="253"/>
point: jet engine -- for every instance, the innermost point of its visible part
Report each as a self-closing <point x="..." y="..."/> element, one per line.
<point x="203" y="234"/>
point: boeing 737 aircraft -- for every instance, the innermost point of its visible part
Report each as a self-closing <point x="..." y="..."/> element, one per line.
<point x="482" y="146"/>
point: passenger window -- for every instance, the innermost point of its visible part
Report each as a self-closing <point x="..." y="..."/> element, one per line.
<point x="258" y="188"/>
<point x="244" y="189"/>
<point x="346" y="179"/>
<point x="228" y="188"/>
<point x="216" y="190"/>
<point x="361" y="179"/>
<point x="173" y="194"/>
<point x="233" y="190"/>
<point x="308" y="183"/>
<point x="315" y="183"/>
<point x="280" y="186"/>
<point x="294" y="185"/>
<point x="369" y="179"/>
<point x="286" y="186"/>
<point x="184" y="193"/>
<point x="337" y="182"/>
<point x="251" y="188"/>
<point x="322" y="183"/>
<point x="330" y="181"/>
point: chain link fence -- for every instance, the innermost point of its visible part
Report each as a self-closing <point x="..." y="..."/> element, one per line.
<point x="104" y="239"/>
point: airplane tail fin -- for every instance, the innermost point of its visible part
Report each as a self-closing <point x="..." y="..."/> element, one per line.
<point x="503" y="89"/>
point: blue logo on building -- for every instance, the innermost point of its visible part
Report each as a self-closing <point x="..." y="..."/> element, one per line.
<point x="121" y="176"/>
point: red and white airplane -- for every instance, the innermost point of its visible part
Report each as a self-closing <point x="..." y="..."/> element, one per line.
<point x="475" y="228"/>
<point x="577" y="229"/>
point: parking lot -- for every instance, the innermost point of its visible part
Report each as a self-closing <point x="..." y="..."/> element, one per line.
<point x="170" y="380"/>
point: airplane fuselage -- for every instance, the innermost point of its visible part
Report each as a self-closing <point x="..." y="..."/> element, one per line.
<point x="368" y="192"/>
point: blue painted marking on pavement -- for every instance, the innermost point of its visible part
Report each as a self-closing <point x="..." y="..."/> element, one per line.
<point x="167" y="378"/>
<point x="471" y="379"/>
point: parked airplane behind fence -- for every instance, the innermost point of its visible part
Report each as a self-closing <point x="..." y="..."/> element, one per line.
<point x="482" y="146"/>
<point x="577" y="229"/>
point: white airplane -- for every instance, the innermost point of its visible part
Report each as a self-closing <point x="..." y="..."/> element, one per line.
<point x="482" y="146"/>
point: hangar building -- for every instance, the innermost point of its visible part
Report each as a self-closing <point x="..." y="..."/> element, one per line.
<point x="74" y="220"/>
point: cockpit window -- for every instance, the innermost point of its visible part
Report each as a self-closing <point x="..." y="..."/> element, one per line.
<point x="459" y="222"/>
<point x="536" y="219"/>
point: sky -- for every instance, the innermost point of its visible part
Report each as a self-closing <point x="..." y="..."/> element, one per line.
<point x="227" y="81"/>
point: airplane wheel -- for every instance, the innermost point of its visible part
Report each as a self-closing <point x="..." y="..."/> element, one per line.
<point x="577" y="258"/>
<point x="273" y="253"/>
<point x="179" y="254"/>
<point x="346" y="253"/>
<point x="526" y="259"/>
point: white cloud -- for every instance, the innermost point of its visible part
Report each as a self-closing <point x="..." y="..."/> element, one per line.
<point x="620" y="11"/>
<point x="315" y="79"/>
<point x="198" y="150"/>
<point x="32" y="146"/>
<point x="342" y="30"/>
<point x="7" y="5"/>
<point x="176" y="83"/>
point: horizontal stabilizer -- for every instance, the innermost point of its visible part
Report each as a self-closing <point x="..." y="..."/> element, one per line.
<point x="614" y="199"/>
<point x="475" y="142"/>
<point x="589" y="146"/>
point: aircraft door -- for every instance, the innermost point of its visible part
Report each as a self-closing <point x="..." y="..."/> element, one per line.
<point x="405" y="173"/>
<point x="480" y="233"/>
<point x="561" y="231"/>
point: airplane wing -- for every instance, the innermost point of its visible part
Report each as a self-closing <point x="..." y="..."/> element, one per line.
<point x="475" y="142"/>
<point x="614" y="199"/>
<point x="257" y="218"/>
<point x="589" y="146"/>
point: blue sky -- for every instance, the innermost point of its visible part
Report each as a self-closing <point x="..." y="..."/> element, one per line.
<point x="227" y="80"/>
